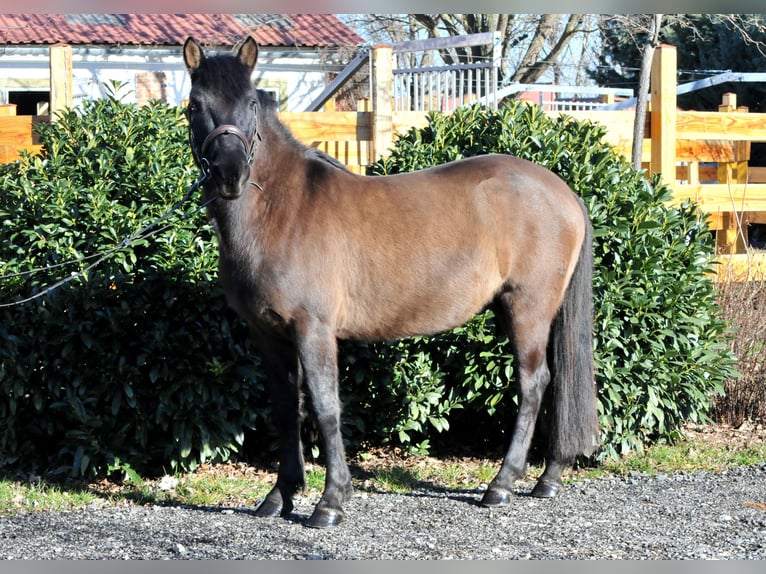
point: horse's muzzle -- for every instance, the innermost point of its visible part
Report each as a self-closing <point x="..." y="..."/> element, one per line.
<point x="228" y="175"/>
<point x="228" y="180"/>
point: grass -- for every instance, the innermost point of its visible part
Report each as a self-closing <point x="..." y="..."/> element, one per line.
<point x="17" y="497"/>
<point x="237" y="485"/>
<point x="687" y="456"/>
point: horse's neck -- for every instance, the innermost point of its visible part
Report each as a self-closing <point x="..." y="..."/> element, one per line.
<point x="268" y="204"/>
<point x="277" y="168"/>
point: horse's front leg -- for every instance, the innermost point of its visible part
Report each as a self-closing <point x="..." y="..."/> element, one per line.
<point x="318" y="351"/>
<point x="284" y="378"/>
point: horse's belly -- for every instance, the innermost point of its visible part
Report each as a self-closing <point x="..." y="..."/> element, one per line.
<point x="425" y="309"/>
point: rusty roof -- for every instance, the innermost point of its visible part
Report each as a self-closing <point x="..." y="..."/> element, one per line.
<point x="308" y="30"/>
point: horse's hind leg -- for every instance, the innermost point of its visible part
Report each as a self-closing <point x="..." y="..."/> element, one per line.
<point x="284" y="375"/>
<point x="528" y="332"/>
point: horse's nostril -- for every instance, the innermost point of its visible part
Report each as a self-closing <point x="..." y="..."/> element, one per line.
<point x="226" y="174"/>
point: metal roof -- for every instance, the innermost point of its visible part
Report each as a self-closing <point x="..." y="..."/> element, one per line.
<point x="308" y="30"/>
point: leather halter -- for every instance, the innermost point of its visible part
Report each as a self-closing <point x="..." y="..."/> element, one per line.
<point x="223" y="129"/>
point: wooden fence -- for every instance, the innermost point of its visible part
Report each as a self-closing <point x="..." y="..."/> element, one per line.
<point x="689" y="149"/>
<point x="704" y="157"/>
<point x="17" y="133"/>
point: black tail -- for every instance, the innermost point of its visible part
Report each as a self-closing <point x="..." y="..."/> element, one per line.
<point x="575" y="418"/>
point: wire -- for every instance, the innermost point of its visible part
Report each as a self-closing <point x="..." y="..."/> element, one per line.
<point x="143" y="233"/>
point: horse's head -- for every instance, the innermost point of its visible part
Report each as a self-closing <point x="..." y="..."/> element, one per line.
<point x="222" y="115"/>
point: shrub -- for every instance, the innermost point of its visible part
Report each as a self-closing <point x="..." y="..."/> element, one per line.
<point x="660" y="340"/>
<point x="138" y="363"/>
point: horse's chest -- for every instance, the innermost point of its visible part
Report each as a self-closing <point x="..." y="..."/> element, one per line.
<point x="254" y="294"/>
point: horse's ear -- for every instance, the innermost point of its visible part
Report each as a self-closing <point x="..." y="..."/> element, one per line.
<point x="193" y="54"/>
<point x="248" y="52"/>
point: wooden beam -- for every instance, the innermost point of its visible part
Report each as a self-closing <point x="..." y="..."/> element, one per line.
<point x="382" y="100"/>
<point x="61" y="78"/>
<point x="663" y="112"/>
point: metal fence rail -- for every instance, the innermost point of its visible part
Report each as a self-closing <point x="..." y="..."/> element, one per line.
<point x="444" y="88"/>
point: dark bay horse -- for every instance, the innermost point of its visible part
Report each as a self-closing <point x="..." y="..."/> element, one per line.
<point x="311" y="253"/>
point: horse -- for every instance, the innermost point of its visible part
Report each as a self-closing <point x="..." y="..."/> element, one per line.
<point x="312" y="253"/>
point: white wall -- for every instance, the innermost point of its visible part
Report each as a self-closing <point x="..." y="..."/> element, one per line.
<point x="297" y="77"/>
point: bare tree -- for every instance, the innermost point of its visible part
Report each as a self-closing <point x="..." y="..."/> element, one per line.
<point x="647" y="54"/>
<point x="531" y="44"/>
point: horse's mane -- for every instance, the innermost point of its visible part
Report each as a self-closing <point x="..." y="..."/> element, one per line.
<point x="269" y="113"/>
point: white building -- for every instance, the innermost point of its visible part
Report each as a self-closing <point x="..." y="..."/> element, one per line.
<point x="138" y="56"/>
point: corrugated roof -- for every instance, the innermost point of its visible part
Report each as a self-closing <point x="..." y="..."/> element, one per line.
<point x="312" y="30"/>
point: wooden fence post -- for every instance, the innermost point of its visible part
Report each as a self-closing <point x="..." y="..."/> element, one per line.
<point x="61" y="78"/>
<point x="663" y="114"/>
<point x="732" y="238"/>
<point x="382" y="93"/>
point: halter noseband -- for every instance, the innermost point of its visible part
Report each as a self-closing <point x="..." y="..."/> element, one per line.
<point x="225" y="129"/>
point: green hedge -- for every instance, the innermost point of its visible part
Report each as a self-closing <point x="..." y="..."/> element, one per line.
<point x="140" y="364"/>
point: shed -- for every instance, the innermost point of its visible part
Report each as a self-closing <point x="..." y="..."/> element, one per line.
<point x="139" y="55"/>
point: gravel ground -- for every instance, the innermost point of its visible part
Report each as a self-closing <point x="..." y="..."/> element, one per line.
<point x="693" y="515"/>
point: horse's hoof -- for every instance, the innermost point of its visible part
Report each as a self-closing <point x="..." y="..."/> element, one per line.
<point x="545" y="489"/>
<point x="270" y="508"/>
<point x="495" y="497"/>
<point x="325" y="518"/>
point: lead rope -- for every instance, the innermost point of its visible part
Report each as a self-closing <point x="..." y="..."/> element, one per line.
<point x="146" y="231"/>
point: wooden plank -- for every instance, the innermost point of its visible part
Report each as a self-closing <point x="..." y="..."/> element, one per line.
<point x="740" y="126"/>
<point x="723" y="197"/>
<point x="11" y="153"/>
<point x="16" y="130"/>
<point x="403" y="121"/>
<point x="619" y="124"/>
<point x="619" y="134"/>
<point x="20" y="130"/>
<point x="350" y="153"/>
<point x="705" y="150"/>
<point x="345" y="126"/>
<point x="741" y="267"/>
<point x="328" y="126"/>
